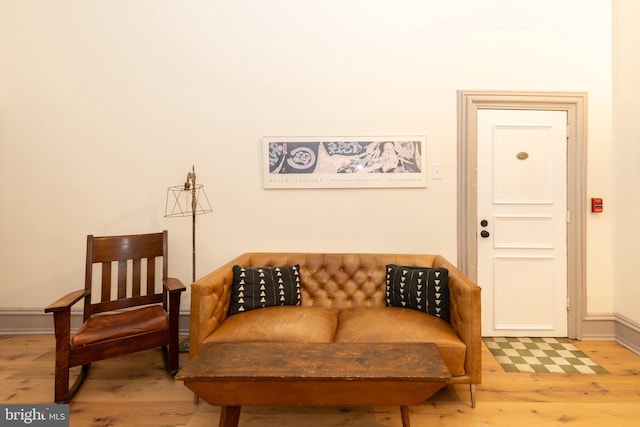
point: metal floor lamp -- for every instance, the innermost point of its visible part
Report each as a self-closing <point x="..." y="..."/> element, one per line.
<point x="188" y="199"/>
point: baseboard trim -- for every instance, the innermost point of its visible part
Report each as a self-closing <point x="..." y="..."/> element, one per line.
<point x="612" y="327"/>
<point x="599" y="327"/>
<point x="34" y="321"/>
<point x="628" y="333"/>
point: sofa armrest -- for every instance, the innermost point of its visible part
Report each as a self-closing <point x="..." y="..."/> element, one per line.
<point x="210" y="299"/>
<point x="466" y="318"/>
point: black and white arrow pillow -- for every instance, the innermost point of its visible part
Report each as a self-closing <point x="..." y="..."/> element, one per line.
<point x="419" y="288"/>
<point x="258" y="287"/>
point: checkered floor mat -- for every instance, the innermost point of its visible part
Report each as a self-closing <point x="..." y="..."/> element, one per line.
<point x="555" y="355"/>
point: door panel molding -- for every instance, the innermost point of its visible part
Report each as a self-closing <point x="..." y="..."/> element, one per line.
<point x="541" y="296"/>
<point x="523" y="232"/>
<point x="575" y="104"/>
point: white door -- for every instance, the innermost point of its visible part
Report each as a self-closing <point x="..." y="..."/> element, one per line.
<point x="522" y="222"/>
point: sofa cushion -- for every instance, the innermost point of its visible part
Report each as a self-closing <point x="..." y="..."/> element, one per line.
<point x="419" y="288"/>
<point x="279" y="323"/>
<point x="395" y="324"/>
<point x="259" y="287"/>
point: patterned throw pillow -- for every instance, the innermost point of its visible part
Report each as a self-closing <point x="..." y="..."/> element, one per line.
<point x="420" y="288"/>
<point x="257" y="287"/>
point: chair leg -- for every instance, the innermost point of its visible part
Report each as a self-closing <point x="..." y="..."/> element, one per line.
<point x="61" y="387"/>
<point x="62" y="322"/>
<point x="172" y="359"/>
<point x="170" y="355"/>
<point x="64" y="394"/>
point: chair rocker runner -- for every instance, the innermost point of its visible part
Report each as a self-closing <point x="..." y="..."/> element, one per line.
<point x="139" y="313"/>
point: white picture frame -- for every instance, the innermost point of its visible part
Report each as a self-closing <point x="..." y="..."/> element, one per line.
<point x="345" y="162"/>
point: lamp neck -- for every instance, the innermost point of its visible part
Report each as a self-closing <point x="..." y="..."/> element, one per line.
<point x="191" y="184"/>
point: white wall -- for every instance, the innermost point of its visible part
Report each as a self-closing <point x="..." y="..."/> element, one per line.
<point x="626" y="105"/>
<point x="104" y="104"/>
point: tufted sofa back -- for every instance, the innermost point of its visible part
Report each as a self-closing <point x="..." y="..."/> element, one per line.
<point x="340" y="280"/>
<point x="327" y="280"/>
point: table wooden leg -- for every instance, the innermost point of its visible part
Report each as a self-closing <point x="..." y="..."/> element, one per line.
<point x="404" y="413"/>
<point x="229" y="416"/>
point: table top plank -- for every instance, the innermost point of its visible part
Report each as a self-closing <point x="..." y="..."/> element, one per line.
<point x="286" y="361"/>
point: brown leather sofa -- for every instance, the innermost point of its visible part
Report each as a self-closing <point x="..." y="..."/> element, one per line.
<point x="343" y="300"/>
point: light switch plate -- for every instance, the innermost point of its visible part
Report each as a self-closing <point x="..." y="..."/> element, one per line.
<point x="436" y="170"/>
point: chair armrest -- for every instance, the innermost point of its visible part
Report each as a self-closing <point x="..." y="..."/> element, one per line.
<point x="67" y="301"/>
<point x="171" y="285"/>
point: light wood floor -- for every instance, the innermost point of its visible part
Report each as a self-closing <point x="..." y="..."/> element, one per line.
<point x="135" y="391"/>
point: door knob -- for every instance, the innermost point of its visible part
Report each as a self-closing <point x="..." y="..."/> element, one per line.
<point x="484" y="233"/>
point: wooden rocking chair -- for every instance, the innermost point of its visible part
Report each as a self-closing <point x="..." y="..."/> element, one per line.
<point x="139" y="313"/>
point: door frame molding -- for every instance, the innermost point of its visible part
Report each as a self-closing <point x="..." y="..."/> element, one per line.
<point x="575" y="104"/>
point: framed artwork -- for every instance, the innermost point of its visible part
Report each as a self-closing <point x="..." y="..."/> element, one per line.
<point x="344" y="162"/>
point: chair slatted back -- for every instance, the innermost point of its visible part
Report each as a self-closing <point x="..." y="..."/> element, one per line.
<point x="133" y="257"/>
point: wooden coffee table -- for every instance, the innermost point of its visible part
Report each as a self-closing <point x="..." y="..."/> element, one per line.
<point x="315" y="374"/>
